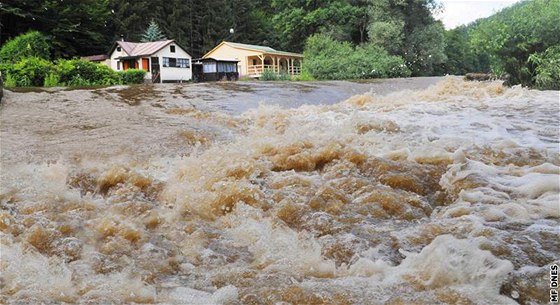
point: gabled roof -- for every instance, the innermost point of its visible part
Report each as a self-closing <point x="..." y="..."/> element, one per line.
<point x="134" y="49"/>
<point x="250" y="47"/>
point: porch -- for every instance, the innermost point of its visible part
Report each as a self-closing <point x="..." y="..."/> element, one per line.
<point x="283" y="64"/>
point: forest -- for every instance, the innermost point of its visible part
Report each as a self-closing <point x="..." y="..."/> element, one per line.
<point x="341" y="39"/>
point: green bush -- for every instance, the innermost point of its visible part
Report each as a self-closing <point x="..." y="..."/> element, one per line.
<point x="304" y="76"/>
<point x="78" y="72"/>
<point x="547" y="68"/>
<point x="30" y="44"/>
<point x="9" y="81"/>
<point x="268" y="75"/>
<point x="52" y="80"/>
<point x="35" y="71"/>
<point x="284" y="76"/>
<point x="133" y="76"/>
<point x="327" y="58"/>
<point x="29" y="71"/>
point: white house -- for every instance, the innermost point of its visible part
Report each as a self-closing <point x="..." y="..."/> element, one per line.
<point x="165" y="60"/>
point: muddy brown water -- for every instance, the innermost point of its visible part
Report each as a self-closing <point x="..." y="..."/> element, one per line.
<point x="405" y="191"/>
<point x="145" y="120"/>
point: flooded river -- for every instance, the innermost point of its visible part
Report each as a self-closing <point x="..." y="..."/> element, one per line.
<point x="410" y="191"/>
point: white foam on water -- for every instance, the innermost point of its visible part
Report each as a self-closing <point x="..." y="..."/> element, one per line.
<point x="439" y="195"/>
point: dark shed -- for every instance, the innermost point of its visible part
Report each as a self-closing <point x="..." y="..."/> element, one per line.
<point x="215" y="69"/>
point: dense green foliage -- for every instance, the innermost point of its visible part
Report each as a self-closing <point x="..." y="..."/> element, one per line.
<point x="408" y="29"/>
<point x="269" y="75"/>
<point x="152" y="33"/>
<point x="361" y="38"/>
<point x="341" y="19"/>
<point x="85" y="27"/>
<point x="31" y="44"/>
<point x="331" y="59"/>
<point x="510" y="36"/>
<point x="461" y="58"/>
<point x="34" y="71"/>
<point x="75" y="27"/>
<point x="133" y="76"/>
<point x="504" y="43"/>
<point x="77" y="72"/>
<point x="27" y="72"/>
<point x="547" y="68"/>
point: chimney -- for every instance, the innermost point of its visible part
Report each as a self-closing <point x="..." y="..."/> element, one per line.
<point x="122" y="37"/>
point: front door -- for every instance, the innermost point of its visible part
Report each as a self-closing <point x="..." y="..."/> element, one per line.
<point x="156" y="77"/>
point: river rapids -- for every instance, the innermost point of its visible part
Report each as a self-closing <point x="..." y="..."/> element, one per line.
<point x="442" y="195"/>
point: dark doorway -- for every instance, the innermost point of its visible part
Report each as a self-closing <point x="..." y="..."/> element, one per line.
<point x="156" y="77"/>
<point x="198" y="75"/>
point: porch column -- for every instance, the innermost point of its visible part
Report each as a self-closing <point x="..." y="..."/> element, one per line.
<point x="291" y="66"/>
<point x="262" y="63"/>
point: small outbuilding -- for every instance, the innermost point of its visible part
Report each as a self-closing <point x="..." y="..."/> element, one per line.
<point x="99" y="59"/>
<point x="215" y="69"/>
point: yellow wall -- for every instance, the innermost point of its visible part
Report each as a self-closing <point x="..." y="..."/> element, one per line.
<point x="227" y="52"/>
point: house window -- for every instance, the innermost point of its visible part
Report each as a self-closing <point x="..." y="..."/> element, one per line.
<point x="118" y="65"/>
<point x="119" y="49"/>
<point x="226" y="67"/>
<point x="172" y="49"/>
<point x="183" y="63"/>
<point x="209" y="67"/>
<point x="172" y="62"/>
<point x="166" y="61"/>
<point x="254" y="62"/>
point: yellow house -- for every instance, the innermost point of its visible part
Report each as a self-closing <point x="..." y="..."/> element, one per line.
<point x="253" y="60"/>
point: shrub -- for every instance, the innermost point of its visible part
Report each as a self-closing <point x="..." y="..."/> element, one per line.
<point x="304" y="76"/>
<point x="283" y="76"/>
<point x="78" y="72"/>
<point x="547" y="72"/>
<point x="327" y="58"/>
<point x="30" y="71"/>
<point x="35" y="71"/>
<point x="30" y="44"/>
<point x="268" y="75"/>
<point x="9" y="81"/>
<point x="133" y="76"/>
<point x="52" y="80"/>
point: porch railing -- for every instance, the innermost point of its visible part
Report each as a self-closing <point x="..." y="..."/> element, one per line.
<point x="259" y="69"/>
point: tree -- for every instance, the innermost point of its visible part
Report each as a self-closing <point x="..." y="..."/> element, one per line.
<point x="30" y="44"/>
<point x="296" y="20"/>
<point x="152" y="33"/>
<point x="75" y="27"/>
<point x="326" y="58"/>
<point x="407" y="28"/>
<point x="513" y="34"/>
<point x="547" y="68"/>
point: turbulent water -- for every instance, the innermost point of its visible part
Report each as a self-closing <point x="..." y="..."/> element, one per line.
<point x="447" y="195"/>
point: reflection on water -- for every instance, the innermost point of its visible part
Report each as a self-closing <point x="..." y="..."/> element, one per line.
<point x="447" y="195"/>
